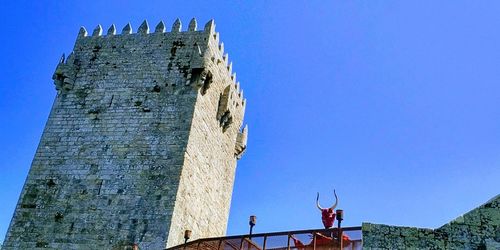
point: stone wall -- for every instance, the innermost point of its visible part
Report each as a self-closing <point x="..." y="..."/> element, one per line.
<point x="207" y="178"/>
<point x="133" y="150"/>
<point x="477" y="229"/>
<point x="376" y="236"/>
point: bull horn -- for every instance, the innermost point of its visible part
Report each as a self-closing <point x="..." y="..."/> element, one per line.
<point x="336" y="200"/>
<point x="317" y="203"/>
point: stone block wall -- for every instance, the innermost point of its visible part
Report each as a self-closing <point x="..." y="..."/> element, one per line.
<point x="133" y="150"/>
<point x="207" y="178"/>
<point x="376" y="236"/>
<point x="477" y="229"/>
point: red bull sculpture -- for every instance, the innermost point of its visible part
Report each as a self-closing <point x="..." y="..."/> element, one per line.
<point x="328" y="214"/>
<point x="328" y="218"/>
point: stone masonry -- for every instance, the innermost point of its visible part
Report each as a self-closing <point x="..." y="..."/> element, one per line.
<point x="477" y="229"/>
<point x="140" y="145"/>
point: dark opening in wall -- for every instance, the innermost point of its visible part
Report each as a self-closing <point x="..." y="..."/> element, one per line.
<point x="51" y="183"/>
<point x="156" y="89"/>
<point x="206" y="83"/>
<point x="219" y="106"/>
<point x="41" y="244"/>
<point x="58" y="217"/>
<point x="224" y="116"/>
<point x="226" y="120"/>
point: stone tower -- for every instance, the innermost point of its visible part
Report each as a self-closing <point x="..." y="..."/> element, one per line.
<point x="141" y="143"/>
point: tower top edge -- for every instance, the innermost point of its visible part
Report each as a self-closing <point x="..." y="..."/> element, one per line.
<point x="144" y="29"/>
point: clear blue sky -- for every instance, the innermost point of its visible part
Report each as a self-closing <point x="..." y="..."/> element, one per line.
<point x="396" y="104"/>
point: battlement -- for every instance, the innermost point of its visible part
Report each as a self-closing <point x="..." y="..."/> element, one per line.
<point x="144" y="28"/>
<point x="188" y="52"/>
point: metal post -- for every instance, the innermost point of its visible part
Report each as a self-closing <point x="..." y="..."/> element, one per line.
<point x="252" y="221"/>
<point x="220" y="244"/>
<point x="340" y="218"/>
<point x="288" y="243"/>
<point x="314" y="240"/>
<point x="187" y="235"/>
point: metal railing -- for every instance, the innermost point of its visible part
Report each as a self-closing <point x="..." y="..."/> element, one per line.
<point x="315" y="239"/>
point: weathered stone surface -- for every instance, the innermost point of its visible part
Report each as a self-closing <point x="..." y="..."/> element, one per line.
<point x="477" y="229"/>
<point x="133" y="150"/>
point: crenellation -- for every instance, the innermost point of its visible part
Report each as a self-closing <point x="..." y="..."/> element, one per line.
<point x="97" y="31"/>
<point x="112" y="30"/>
<point x="82" y="32"/>
<point x="160" y="27"/>
<point x="225" y="58"/>
<point x="210" y="26"/>
<point x="233" y="78"/>
<point x="62" y="58"/>
<point x="192" y="25"/>
<point x="221" y="48"/>
<point x="216" y="37"/>
<point x="127" y="30"/>
<point x="237" y="86"/>
<point x="144" y="28"/>
<point x="177" y="26"/>
<point x="229" y="76"/>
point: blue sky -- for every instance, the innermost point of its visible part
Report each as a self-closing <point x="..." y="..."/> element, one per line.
<point x="395" y="104"/>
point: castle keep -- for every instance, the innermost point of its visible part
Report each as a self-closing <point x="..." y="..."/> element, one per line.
<point x="141" y="143"/>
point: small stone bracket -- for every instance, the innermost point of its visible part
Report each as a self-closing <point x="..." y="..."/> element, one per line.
<point x="64" y="76"/>
<point x="202" y="79"/>
<point x="241" y="143"/>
